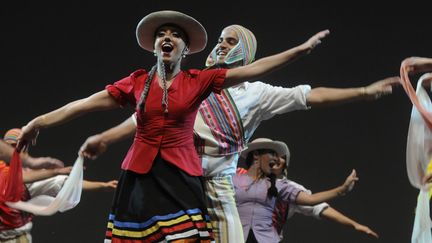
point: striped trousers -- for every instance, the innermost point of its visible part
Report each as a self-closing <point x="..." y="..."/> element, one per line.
<point x="222" y="209"/>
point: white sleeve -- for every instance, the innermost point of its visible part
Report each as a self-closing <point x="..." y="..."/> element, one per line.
<point x="50" y="186"/>
<point x="278" y="100"/>
<point x="134" y="119"/>
<point x="314" y="211"/>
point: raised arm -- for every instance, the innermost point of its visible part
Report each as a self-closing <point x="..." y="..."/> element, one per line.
<point x="319" y="197"/>
<point x="98" y="101"/>
<point x="97" y="144"/>
<point x="336" y="216"/>
<point x="322" y="96"/>
<point x="265" y="65"/>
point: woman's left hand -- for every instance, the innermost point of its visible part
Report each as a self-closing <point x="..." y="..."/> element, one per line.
<point x="315" y="40"/>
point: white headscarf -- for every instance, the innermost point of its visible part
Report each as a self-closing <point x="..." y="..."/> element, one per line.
<point x="244" y="50"/>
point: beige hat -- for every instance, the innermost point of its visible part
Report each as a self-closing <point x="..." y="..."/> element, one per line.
<point x="265" y="143"/>
<point x="196" y="33"/>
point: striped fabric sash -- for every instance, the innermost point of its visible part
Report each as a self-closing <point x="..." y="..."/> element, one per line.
<point x="220" y="114"/>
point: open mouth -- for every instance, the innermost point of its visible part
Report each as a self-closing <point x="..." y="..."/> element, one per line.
<point x="221" y="53"/>
<point x="167" y="48"/>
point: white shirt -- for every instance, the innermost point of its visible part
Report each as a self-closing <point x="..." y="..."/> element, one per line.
<point x="256" y="102"/>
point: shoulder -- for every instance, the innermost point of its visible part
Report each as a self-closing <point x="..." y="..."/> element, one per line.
<point x="196" y="72"/>
<point x="138" y="73"/>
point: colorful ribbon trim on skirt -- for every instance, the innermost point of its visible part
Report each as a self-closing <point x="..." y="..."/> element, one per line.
<point x="171" y="227"/>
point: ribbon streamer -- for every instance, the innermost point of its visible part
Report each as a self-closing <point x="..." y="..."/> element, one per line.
<point x="419" y="153"/>
<point x="68" y="197"/>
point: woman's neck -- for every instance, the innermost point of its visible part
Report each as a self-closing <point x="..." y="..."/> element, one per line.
<point x="253" y="171"/>
<point x="171" y="70"/>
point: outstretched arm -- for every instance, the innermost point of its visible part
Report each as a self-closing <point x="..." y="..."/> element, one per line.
<point x="322" y="96"/>
<point x="417" y="64"/>
<point x="97" y="144"/>
<point x="307" y="199"/>
<point x="98" y="101"/>
<point x="41" y="162"/>
<point x="98" y="185"/>
<point x="6" y="152"/>
<point x="334" y="215"/>
<point x="30" y="176"/>
<point x="265" y="65"/>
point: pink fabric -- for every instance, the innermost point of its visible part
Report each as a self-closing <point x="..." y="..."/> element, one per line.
<point x="406" y="83"/>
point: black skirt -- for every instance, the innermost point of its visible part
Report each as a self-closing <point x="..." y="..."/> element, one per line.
<point x="166" y="204"/>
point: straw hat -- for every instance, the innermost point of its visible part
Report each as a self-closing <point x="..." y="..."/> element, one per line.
<point x="265" y="143"/>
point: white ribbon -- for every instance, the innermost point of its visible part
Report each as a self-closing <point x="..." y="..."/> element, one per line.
<point x="419" y="154"/>
<point x="67" y="198"/>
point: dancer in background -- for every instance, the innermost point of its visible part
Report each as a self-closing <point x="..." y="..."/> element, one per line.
<point x="257" y="191"/>
<point x="284" y="211"/>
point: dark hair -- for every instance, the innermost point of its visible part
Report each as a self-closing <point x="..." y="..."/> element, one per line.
<point x="184" y="37"/>
<point x="272" y="191"/>
<point x="249" y="157"/>
<point x="144" y="93"/>
<point x="285" y="169"/>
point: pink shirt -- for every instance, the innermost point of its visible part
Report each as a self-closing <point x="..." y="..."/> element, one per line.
<point x="169" y="134"/>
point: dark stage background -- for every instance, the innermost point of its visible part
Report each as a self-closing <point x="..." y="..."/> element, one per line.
<point x="52" y="54"/>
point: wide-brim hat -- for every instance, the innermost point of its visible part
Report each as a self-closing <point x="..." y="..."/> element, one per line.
<point x="196" y="33"/>
<point x="265" y="143"/>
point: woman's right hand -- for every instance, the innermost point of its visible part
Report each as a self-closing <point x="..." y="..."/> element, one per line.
<point x="29" y="133"/>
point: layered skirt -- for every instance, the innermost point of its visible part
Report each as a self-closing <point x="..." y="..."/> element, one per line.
<point x="164" y="205"/>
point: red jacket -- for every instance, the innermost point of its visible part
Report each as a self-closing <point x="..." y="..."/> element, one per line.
<point x="170" y="134"/>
